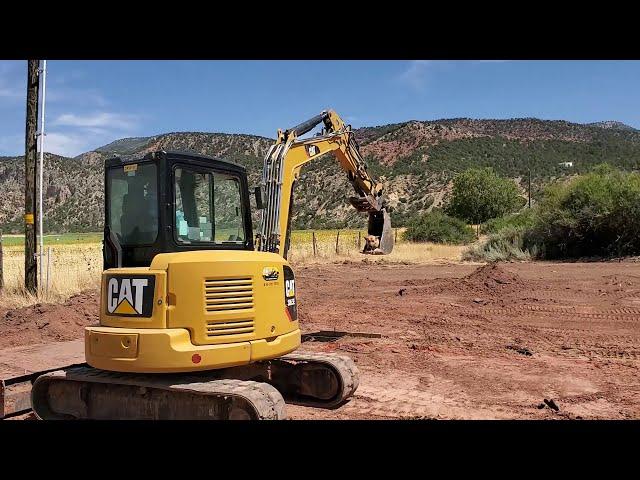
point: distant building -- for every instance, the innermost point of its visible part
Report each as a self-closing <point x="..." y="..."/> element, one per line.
<point x="566" y="164"/>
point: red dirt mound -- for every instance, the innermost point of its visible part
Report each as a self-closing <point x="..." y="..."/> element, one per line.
<point x="44" y="323"/>
<point x="492" y="276"/>
<point x="488" y="281"/>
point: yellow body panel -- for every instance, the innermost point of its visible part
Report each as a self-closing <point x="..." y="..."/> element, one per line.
<point x="211" y="309"/>
<point x="167" y="350"/>
<point x="158" y="318"/>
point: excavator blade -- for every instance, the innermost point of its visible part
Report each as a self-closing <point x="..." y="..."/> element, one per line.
<point x="380" y="226"/>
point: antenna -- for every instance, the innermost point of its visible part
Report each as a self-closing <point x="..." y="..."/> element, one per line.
<point x="43" y="72"/>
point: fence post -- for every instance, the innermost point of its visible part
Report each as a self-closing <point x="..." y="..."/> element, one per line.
<point x="359" y="239"/>
<point x="48" y="267"/>
<point x="314" y="242"/>
<point x="1" y="273"/>
<point x="395" y="238"/>
<point x="337" y="239"/>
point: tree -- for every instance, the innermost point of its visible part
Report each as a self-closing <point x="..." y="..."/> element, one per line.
<point x="479" y="195"/>
<point x="437" y="227"/>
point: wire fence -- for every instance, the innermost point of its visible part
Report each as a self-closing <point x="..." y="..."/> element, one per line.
<point x="323" y="243"/>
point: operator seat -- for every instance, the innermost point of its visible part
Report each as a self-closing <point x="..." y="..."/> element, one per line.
<point x="139" y="222"/>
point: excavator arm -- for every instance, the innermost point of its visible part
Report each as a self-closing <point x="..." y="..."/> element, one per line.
<point x="282" y="166"/>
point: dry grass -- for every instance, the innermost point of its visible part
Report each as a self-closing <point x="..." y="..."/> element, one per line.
<point x="73" y="268"/>
<point x="403" y="252"/>
<point x="76" y="267"/>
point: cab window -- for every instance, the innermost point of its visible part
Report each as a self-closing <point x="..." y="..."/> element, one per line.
<point x="208" y="207"/>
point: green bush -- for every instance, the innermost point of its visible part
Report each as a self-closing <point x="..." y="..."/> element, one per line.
<point x="438" y="228"/>
<point x="479" y="195"/>
<point x="521" y="221"/>
<point x="597" y="214"/>
<point x="506" y="245"/>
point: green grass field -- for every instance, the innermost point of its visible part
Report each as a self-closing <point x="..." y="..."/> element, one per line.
<point x="49" y="240"/>
<point x="82" y="238"/>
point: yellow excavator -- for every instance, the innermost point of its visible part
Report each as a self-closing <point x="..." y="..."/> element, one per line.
<point x="194" y="322"/>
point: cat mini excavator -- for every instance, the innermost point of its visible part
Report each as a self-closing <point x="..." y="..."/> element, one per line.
<point x="194" y="322"/>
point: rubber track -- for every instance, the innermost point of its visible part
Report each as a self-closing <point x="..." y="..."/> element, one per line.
<point x="265" y="399"/>
<point x="344" y="368"/>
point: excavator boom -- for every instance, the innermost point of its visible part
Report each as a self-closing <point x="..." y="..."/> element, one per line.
<point x="282" y="165"/>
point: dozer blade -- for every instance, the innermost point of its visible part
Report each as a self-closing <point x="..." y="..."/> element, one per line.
<point x="380" y="226"/>
<point x="88" y="393"/>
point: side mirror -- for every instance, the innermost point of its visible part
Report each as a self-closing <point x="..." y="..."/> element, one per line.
<point x="257" y="191"/>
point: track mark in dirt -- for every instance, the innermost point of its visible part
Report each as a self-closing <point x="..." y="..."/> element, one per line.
<point x="452" y="324"/>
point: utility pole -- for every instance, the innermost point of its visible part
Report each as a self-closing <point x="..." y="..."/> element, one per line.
<point x="43" y="75"/>
<point x="30" y="154"/>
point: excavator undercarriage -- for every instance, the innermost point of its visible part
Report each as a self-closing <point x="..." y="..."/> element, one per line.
<point x="257" y="391"/>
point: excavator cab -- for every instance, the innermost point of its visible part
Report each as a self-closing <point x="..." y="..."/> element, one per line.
<point x="173" y="202"/>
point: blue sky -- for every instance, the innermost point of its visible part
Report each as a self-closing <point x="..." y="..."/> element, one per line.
<point x="91" y="103"/>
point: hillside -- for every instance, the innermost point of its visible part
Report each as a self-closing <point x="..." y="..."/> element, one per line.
<point x="415" y="159"/>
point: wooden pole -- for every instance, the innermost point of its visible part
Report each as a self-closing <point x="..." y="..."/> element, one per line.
<point x="48" y="267"/>
<point x="359" y="239"/>
<point x="337" y="240"/>
<point x="314" y="242"/>
<point x="30" y="262"/>
<point x="1" y="273"/>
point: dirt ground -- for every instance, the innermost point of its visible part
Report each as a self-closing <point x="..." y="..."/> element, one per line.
<point x="43" y="323"/>
<point x="458" y="341"/>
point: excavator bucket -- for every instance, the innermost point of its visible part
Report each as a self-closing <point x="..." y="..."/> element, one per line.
<point x="379" y="226"/>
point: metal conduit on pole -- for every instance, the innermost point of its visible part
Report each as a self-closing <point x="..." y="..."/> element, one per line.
<point x="43" y="73"/>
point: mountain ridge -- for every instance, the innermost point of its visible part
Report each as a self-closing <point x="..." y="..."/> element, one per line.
<point x="415" y="159"/>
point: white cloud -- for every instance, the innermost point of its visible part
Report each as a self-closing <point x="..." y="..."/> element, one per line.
<point x="67" y="144"/>
<point x="76" y="96"/>
<point x="114" y="121"/>
<point x="72" y="134"/>
<point x="415" y="76"/>
<point x="77" y="120"/>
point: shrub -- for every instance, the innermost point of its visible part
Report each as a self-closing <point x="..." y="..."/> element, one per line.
<point x="479" y="194"/>
<point x="522" y="221"/>
<point x="506" y="245"/>
<point x="597" y="214"/>
<point x="438" y="228"/>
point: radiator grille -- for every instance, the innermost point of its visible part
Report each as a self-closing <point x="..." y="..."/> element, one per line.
<point x="228" y="294"/>
<point x="239" y="327"/>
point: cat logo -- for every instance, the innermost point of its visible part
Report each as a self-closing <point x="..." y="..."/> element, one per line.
<point x="312" y="150"/>
<point x="290" y="294"/>
<point x="270" y="273"/>
<point x="130" y="296"/>
<point x="290" y="288"/>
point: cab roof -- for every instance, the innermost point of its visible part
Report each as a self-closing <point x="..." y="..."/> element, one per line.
<point x="173" y="154"/>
